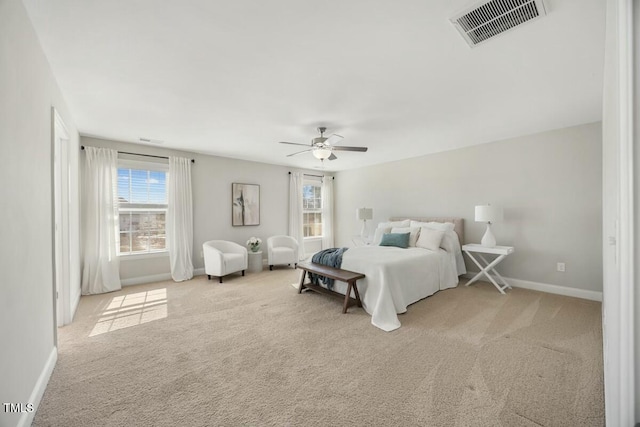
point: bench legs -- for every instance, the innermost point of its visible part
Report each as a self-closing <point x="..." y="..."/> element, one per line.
<point x="357" y="294"/>
<point x="347" y="296"/>
<point x="302" y="277"/>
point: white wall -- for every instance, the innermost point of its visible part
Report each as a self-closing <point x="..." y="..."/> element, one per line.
<point x="549" y="185"/>
<point x="27" y="324"/>
<point x="211" y="181"/>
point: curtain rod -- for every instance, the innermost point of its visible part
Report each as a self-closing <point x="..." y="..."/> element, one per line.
<point x="143" y="155"/>
<point x="317" y="176"/>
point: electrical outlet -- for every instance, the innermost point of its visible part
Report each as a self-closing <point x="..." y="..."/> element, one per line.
<point x="561" y="267"/>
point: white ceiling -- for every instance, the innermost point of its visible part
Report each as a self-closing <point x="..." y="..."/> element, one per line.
<point x="232" y="78"/>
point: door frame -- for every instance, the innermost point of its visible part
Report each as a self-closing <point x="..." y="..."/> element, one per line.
<point x="61" y="229"/>
<point x="619" y="213"/>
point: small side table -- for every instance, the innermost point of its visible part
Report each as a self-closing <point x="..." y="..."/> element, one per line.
<point x="255" y="261"/>
<point x="501" y="251"/>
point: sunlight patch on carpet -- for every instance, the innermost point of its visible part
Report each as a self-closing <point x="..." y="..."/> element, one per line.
<point x="129" y="310"/>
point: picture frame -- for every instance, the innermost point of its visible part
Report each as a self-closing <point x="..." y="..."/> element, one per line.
<point x="245" y="204"/>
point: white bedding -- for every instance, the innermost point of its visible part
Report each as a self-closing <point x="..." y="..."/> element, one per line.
<point x="396" y="278"/>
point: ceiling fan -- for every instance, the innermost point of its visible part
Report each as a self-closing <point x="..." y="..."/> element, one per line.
<point x="322" y="147"/>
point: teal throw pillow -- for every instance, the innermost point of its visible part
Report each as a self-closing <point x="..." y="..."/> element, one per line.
<point x="400" y="240"/>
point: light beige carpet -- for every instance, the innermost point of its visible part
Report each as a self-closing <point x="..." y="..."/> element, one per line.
<point x="252" y="351"/>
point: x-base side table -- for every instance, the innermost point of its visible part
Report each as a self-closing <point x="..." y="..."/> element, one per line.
<point x="478" y="250"/>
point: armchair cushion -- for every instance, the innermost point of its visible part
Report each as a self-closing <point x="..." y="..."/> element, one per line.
<point x="234" y="262"/>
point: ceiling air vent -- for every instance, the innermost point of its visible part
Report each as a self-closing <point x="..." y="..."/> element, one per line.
<point x="488" y="19"/>
<point x="151" y="141"/>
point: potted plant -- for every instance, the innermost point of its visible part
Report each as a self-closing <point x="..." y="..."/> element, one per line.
<point x="254" y="244"/>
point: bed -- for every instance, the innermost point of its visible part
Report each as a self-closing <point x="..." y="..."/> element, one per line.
<point x="395" y="277"/>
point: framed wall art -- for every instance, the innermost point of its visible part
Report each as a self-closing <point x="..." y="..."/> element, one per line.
<point x="245" y="204"/>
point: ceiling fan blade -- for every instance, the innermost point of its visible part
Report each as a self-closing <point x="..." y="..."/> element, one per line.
<point x="299" y="152"/>
<point x="332" y="157"/>
<point x="293" y="143"/>
<point x="333" y="139"/>
<point x="361" y="149"/>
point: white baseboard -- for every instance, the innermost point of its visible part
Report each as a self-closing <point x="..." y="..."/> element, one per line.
<point x="155" y="278"/>
<point x="38" y="390"/>
<point x="545" y="287"/>
<point x="146" y="279"/>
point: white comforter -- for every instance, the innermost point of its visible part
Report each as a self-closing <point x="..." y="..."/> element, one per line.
<point x="396" y="278"/>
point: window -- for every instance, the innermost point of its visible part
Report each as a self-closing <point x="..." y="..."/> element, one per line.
<point x="312" y="209"/>
<point x="142" y="206"/>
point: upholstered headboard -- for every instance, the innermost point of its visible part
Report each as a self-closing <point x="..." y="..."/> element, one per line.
<point x="458" y="223"/>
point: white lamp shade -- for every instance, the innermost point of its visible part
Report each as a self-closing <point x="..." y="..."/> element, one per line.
<point x="321" y="153"/>
<point x="488" y="213"/>
<point x="364" y="214"/>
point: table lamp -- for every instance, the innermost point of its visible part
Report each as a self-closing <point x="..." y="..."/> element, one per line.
<point x="488" y="214"/>
<point x="364" y="214"/>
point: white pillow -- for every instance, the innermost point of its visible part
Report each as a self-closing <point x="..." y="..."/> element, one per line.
<point x="392" y="224"/>
<point x="430" y="238"/>
<point x="450" y="242"/>
<point x="413" y="237"/>
<point x="442" y="226"/>
<point x="377" y="236"/>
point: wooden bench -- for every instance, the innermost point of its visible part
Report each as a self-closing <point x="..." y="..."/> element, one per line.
<point x="349" y="277"/>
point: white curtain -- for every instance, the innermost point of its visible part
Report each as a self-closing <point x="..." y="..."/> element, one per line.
<point x="327" y="212"/>
<point x="180" y="219"/>
<point x="101" y="270"/>
<point x="295" y="210"/>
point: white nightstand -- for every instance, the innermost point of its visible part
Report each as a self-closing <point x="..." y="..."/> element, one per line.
<point x="255" y="261"/>
<point x="501" y="251"/>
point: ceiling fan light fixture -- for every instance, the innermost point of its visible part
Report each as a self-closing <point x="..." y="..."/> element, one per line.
<point x="322" y="147"/>
<point x="321" y="153"/>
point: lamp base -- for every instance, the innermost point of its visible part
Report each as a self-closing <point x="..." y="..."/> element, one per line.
<point x="363" y="232"/>
<point x="488" y="240"/>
